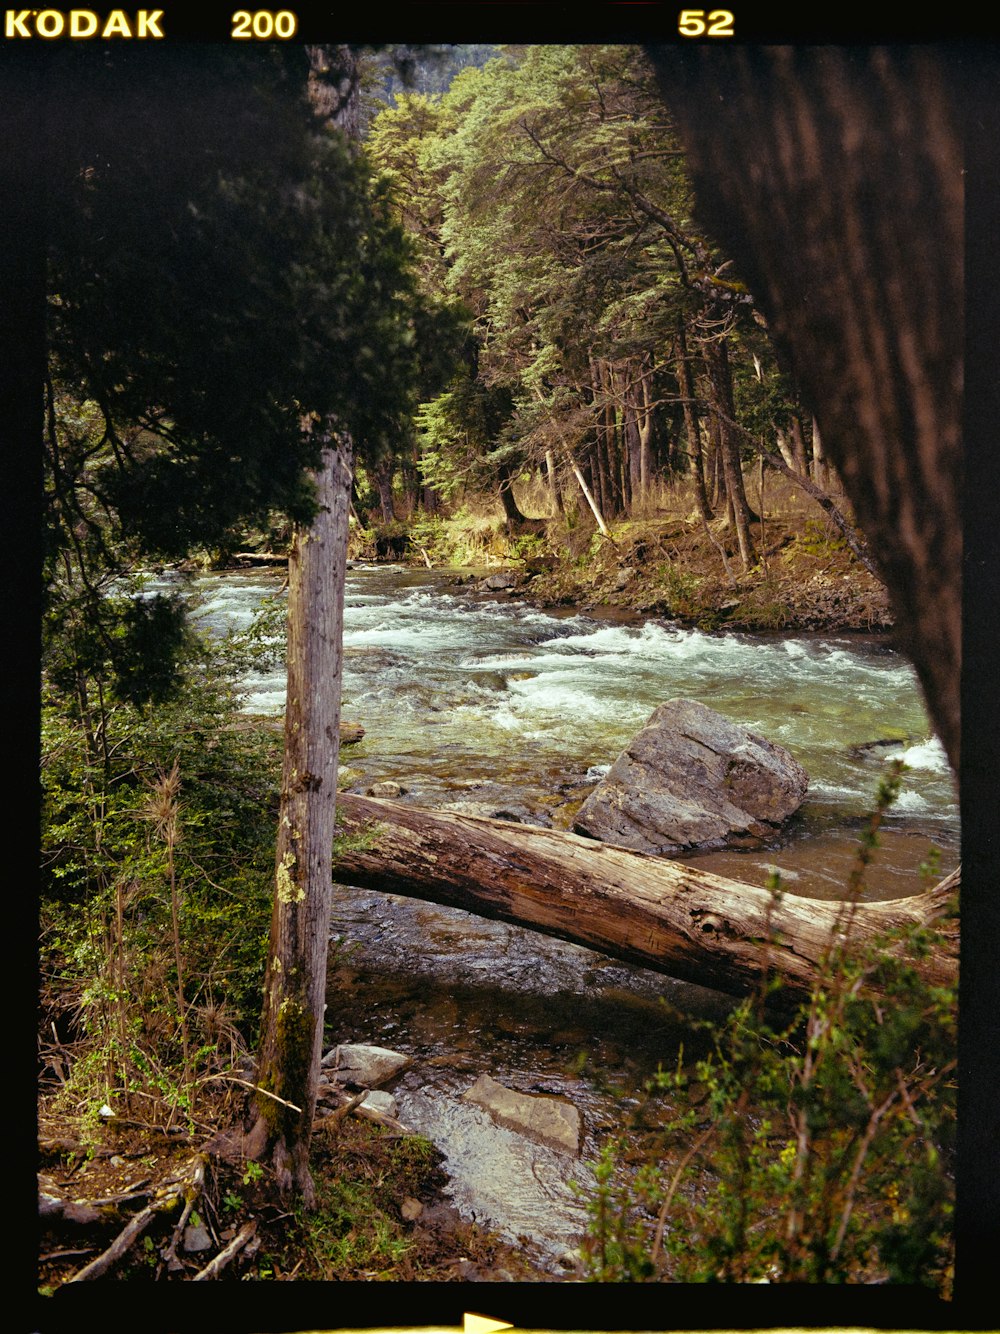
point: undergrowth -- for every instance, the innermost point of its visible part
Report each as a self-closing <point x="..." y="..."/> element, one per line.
<point x="816" y="1148"/>
<point x="157" y="868"/>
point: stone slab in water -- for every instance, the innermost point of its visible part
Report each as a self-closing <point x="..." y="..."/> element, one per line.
<point x="691" y="779"/>
<point x="538" y="1116"/>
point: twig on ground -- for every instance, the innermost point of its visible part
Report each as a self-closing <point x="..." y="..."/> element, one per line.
<point x="215" y="1267"/>
<point x="185" y="1186"/>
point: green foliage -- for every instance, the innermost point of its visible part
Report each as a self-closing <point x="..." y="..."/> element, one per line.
<point x="123" y="904"/>
<point x="810" y="1149"/>
<point x="222" y="272"/>
<point x="462" y="538"/>
<point x="820" y="538"/>
<point x="353" y="1232"/>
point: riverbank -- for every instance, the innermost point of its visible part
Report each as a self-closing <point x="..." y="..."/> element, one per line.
<point x="806" y="577"/>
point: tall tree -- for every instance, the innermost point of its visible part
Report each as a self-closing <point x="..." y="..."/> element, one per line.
<point x="403" y="345"/>
<point x="295" y="983"/>
<point x="849" y="231"/>
<point x="231" y="308"/>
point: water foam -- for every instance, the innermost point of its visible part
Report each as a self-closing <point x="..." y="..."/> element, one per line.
<point x="927" y="755"/>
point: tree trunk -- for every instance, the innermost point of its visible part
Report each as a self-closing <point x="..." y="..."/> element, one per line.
<point x="661" y="914"/>
<point x="784" y="449"/>
<point x="295" y="982"/>
<point x="587" y="494"/>
<point x="819" y="463"/>
<point x="717" y="359"/>
<point x="515" y="519"/>
<point x="691" y="426"/>
<point x="799" y="447"/>
<point x="638" y="474"/>
<point x="644" y="418"/>
<point x="849" y="232"/>
<point x="552" y="481"/>
<point x="382" y="475"/>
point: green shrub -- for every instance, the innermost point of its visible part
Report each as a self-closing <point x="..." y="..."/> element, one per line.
<point x="815" y="1149"/>
<point x="157" y="866"/>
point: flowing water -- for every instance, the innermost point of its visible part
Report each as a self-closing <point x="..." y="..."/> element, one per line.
<point x="497" y="708"/>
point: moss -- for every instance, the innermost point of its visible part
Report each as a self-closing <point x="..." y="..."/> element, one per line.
<point x="287" y="889"/>
<point x="289" y="1063"/>
<point x="363" y="839"/>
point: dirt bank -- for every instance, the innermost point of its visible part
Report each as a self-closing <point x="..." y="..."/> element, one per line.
<point x="806" y="577"/>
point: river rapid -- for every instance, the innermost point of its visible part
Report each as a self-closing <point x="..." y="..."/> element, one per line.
<point x="497" y="708"/>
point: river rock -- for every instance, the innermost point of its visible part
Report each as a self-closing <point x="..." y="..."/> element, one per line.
<point x="538" y="1116"/>
<point x="380" y="1101"/>
<point x="692" y="779"/>
<point x="386" y="787"/>
<point x="362" y="1065"/>
<point x="499" y="581"/>
<point x="196" y="1239"/>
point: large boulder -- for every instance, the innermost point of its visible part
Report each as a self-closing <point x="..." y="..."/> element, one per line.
<point x="692" y="779"/>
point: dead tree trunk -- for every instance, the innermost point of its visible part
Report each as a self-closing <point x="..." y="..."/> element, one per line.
<point x="295" y="983"/>
<point x="291" y="1032"/>
<point x="662" y="914"/>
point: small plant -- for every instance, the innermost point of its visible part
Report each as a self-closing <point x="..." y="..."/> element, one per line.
<point x="820" y="538"/>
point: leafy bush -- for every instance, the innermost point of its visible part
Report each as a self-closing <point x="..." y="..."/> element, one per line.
<point x="810" y="1149"/>
<point x="157" y="863"/>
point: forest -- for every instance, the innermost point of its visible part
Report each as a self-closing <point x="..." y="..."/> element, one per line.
<point x="417" y="423"/>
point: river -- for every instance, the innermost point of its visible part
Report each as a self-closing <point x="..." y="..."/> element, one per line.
<point x="495" y="707"/>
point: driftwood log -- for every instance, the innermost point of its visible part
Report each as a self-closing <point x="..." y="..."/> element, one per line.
<point x="661" y="914"/>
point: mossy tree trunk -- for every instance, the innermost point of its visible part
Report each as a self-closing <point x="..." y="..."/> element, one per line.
<point x="295" y="983"/>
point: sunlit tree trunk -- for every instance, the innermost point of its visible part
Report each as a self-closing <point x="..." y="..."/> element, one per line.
<point x="295" y="983"/>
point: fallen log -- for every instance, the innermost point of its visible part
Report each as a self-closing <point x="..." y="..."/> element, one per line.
<point x="661" y="914"/>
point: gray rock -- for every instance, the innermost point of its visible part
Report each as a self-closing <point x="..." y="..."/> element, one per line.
<point x="362" y="1065"/>
<point x="386" y="788"/>
<point x="380" y="1101"/>
<point x="538" y="1116"/>
<point x="196" y="1239"/>
<point x="693" y="779"/>
<point x="501" y="580"/>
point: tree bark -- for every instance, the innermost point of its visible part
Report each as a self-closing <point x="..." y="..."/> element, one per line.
<point x="552" y="482"/>
<point x="382" y="476"/>
<point x="295" y="982"/>
<point x="505" y="490"/>
<point x="691" y="426"/>
<point x="849" y="232"/>
<point x="720" y="377"/>
<point x="662" y="914"/>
